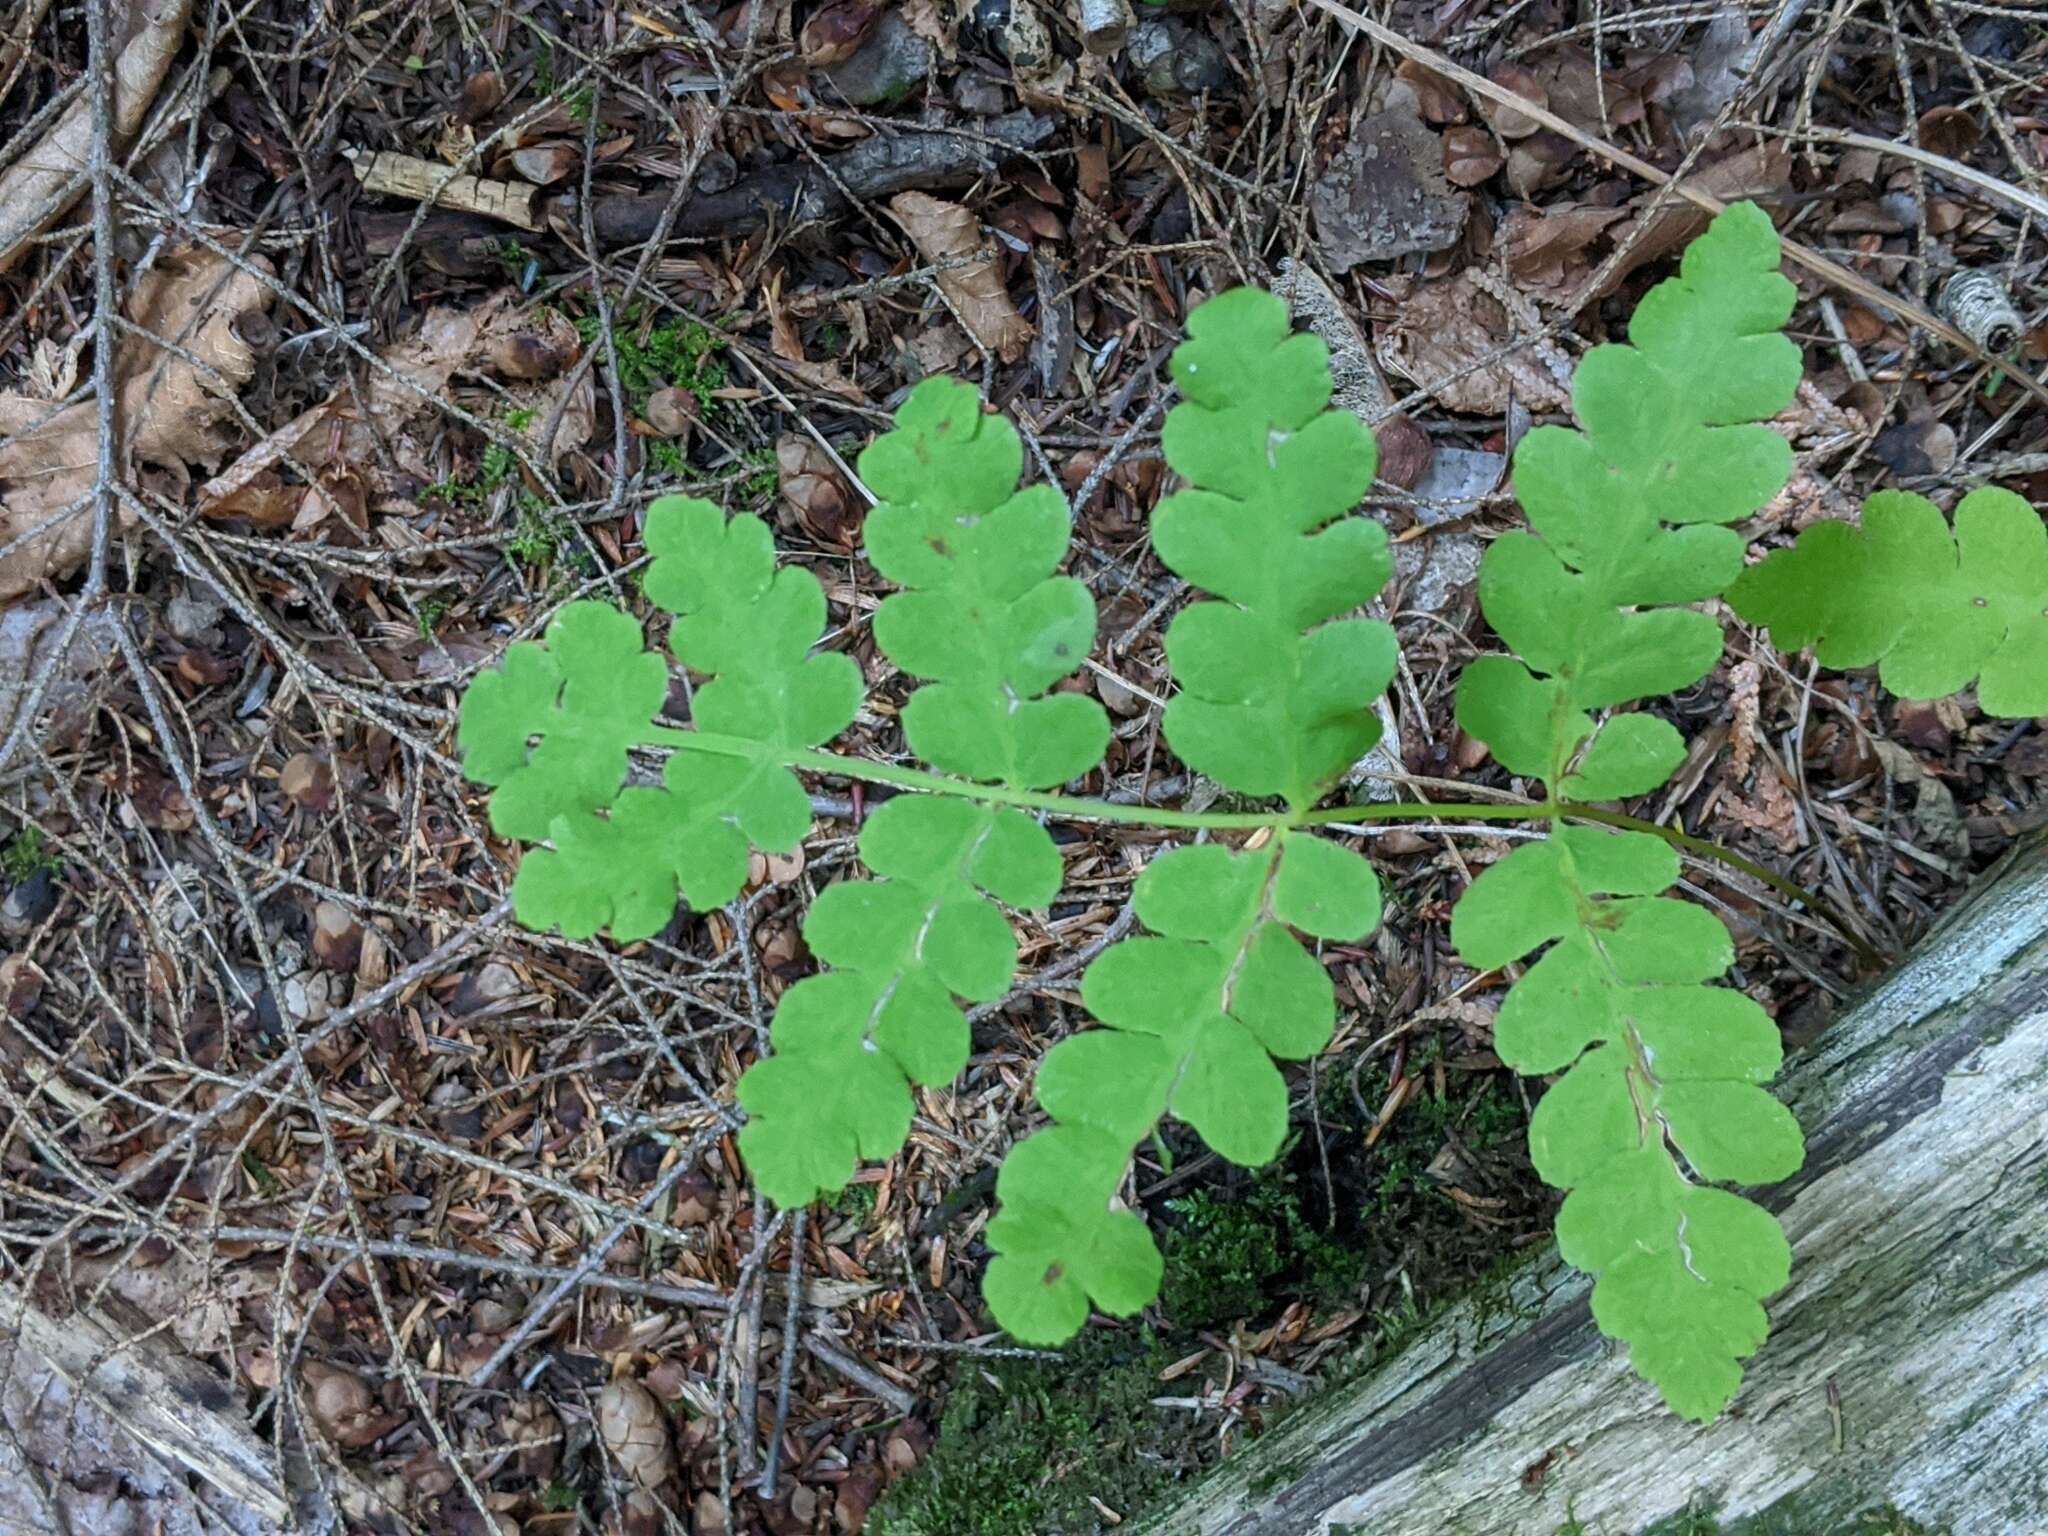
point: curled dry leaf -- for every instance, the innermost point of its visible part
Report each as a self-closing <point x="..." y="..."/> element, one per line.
<point x="636" y="1433"/>
<point x="835" y="31"/>
<point x="342" y="1406"/>
<point x="1506" y="121"/>
<point x="1436" y="98"/>
<point x="1950" y="131"/>
<point x="175" y="411"/>
<point x="48" y="177"/>
<point x="949" y="237"/>
<point x="1454" y="339"/>
<point x="670" y="412"/>
<point x="308" y="781"/>
<point x="1470" y="156"/>
<point x="813" y="488"/>
<point x="337" y="937"/>
<point x="482" y="94"/>
<point x="542" y="164"/>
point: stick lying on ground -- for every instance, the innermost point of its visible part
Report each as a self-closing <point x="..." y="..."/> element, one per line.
<point x="802" y="192"/>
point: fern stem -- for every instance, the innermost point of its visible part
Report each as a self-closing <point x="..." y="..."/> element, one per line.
<point x="1081" y="808"/>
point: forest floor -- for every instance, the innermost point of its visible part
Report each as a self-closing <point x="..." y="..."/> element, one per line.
<point x="287" y="1092"/>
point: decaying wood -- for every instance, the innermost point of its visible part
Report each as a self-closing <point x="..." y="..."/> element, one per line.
<point x="385" y="174"/>
<point x="137" y="1374"/>
<point x="42" y="185"/>
<point x="1908" y="1359"/>
<point x="808" y="191"/>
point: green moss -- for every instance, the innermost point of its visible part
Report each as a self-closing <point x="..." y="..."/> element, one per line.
<point x="1024" y="1444"/>
<point x="1226" y="1251"/>
<point x="678" y="351"/>
<point x="25" y="856"/>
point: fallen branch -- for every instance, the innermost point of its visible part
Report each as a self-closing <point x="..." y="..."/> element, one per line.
<point x="384" y="174"/>
<point x="804" y="192"/>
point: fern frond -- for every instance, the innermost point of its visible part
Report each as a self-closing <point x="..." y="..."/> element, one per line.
<point x="1275" y="698"/>
<point x="1661" y="1092"/>
<point x="1933" y="609"/>
<point x="621" y="857"/>
<point x="986" y="620"/>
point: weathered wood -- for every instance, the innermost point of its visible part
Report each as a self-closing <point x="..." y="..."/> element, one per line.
<point x="134" y="1372"/>
<point x="1908" y="1359"/>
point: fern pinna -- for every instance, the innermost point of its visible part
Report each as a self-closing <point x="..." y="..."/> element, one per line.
<point x="1658" y="1098"/>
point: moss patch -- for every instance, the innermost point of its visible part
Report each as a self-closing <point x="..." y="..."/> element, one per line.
<point x="1228" y="1258"/>
<point x="1025" y="1443"/>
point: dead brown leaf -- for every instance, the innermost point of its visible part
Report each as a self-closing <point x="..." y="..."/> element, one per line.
<point x="174" y="412"/>
<point x="1384" y="194"/>
<point x="1447" y="337"/>
<point x="949" y="237"/>
<point x="1470" y="156"/>
<point x="42" y="184"/>
<point x="374" y="427"/>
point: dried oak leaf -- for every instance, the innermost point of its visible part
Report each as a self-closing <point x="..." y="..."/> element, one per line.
<point x="1448" y="336"/>
<point x="1384" y="194"/>
<point x="174" y="409"/>
<point x="949" y="237"/>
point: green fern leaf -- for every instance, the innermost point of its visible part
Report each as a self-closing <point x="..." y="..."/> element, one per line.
<point x="621" y="857"/>
<point x="1197" y="1015"/>
<point x="1933" y="610"/>
<point x="983" y="616"/>
<point x="1275" y="690"/>
<point x="1661" y="1086"/>
<point x="589" y="693"/>
<point x="1627" y="513"/>
<point x="1061" y="1240"/>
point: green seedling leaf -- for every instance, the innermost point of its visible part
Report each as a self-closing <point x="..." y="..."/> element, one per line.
<point x="1933" y="609"/>
<point x="1275" y="699"/>
<point x="589" y="692"/>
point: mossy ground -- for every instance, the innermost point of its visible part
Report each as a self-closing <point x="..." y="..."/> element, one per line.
<point x="1024" y="1444"/>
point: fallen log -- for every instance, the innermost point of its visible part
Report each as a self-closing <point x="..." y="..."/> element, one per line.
<point x="1907" y="1367"/>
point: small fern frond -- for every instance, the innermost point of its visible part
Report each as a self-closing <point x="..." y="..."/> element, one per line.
<point x="1276" y="691"/>
<point x="1275" y="698"/>
<point x="621" y="857"/>
<point x="1932" y="609"/>
<point x="984" y="618"/>
<point x="1661" y="1092"/>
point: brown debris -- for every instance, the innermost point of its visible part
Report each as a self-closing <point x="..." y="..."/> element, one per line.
<point x="1384" y="194"/>
<point x="174" y="411"/>
<point x="950" y="237"/>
